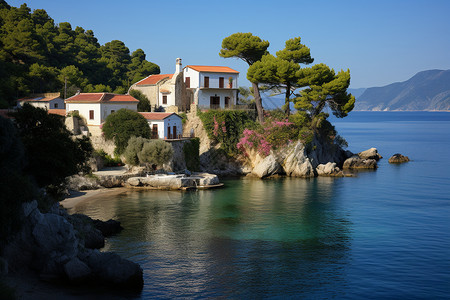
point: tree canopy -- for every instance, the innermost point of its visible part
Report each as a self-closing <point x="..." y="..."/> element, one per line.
<point x="325" y="88"/>
<point x="250" y="49"/>
<point x="122" y="125"/>
<point x="51" y="152"/>
<point x="282" y="72"/>
<point x="37" y="55"/>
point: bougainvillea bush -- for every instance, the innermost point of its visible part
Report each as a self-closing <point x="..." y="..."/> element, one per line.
<point x="274" y="133"/>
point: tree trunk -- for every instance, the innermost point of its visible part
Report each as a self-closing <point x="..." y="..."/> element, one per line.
<point x="287" y="109"/>
<point x="258" y="102"/>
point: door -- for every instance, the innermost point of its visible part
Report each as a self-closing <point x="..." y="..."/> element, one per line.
<point x="155" y="131"/>
<point x="214" y="102"/>
<point x="174" y="135"/>
<point x="169" y="135"/>
<point x="227" y="102"/>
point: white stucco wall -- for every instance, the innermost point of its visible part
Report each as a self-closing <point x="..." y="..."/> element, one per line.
<point x="101" y="110"/>
<point x="58" y="101"/>
<point x="204" y="96"/>
<point x="84" y="108"/>
<point x="163" y="126"/>
<point x="193" y="75"/>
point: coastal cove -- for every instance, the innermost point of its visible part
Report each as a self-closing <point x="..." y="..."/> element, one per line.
<point x="381" y="234"/>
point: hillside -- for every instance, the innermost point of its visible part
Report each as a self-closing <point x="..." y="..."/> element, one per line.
<point x="427" y="90"/>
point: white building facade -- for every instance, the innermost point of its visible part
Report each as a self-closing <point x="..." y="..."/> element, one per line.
<point x="165" y="126"/>
<point x="45" y="101"/>
<point x="96" y="107"/>
<point x="212" y="86"/>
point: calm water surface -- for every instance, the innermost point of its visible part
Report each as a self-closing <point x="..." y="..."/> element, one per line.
<point x="382" y="235"/>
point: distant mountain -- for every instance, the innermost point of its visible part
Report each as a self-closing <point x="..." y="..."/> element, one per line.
<point x="357" y="92"/>
<point x="427" y="90"/>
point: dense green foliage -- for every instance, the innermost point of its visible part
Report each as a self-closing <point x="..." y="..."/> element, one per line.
<point x="282" y="72"/>
<point x="39" y="152"/>
<point x="122" y="125"/>
<point x="144" y="103"/>
<point x="151" y="152"/>
<point x="37" y="55"/>
<point x="14" y="184"/>
<point x="324" y="89"/>
<point x="108" y="160"/>
<point x="250" y="49"/>
<point x="191" y="151"/>
<point x="225" y="127"/>
<point x="52" y="153"/>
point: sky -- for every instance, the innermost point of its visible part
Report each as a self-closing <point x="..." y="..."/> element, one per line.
<point x="381" y="42"/>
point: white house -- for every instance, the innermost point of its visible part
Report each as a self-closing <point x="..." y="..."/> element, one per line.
<point x="165" y="91"/>
<point x="211" y="86"/>
<point x="164" y="125"/>
<point x="206" y="86"/>
<point x="95" y="107"/>
<point x="45" y="100"/>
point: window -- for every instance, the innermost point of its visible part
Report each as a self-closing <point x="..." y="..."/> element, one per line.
<point x="164" y="99"/>
<point x="221" y="79"/>
<point x="56" y="105"/>
<point x="188" y="82"/>
<point x="91" y="115"/>
<point x="113" y="111"/>
<point x="206" y="85"/>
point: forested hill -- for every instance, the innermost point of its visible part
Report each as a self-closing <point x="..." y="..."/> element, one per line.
<point x="427" y="90"/>
<point x="37" y="55"/>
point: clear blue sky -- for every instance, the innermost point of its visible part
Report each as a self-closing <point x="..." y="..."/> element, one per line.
<point x="381" y="41"/>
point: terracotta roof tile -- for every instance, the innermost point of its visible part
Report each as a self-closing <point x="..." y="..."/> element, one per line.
<point x="56" y="111"/>
<point x="157" y="115"/>
<point x="100" y="97"/>
<point x="154" y="79"/>
<point x="37" y="99"/>
<point x="213" y="69"/>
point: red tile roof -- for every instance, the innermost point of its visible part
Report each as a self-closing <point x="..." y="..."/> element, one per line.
<point x="56" y="111"/>
<point x="37" y="99"/>
<point x="157" y="115"/>
<point x="154" y="79"/>
<point x="213" y="69"/>
<point x="100" y="97"/>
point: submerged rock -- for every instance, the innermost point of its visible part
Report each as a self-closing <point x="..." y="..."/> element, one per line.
<point x="398" y="159"/>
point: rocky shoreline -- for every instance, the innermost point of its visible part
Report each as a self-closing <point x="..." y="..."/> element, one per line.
<point x="56" y="247"/>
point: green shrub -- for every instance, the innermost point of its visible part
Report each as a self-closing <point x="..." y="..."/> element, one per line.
<point x="134" y="147"/>
<point x="155" y="152"/>
<point x="122" y="125"/>
<point x="108" y="160"/>
<point x="226" y="126"/>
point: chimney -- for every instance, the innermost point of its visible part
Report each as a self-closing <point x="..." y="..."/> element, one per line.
<point x="178" y="66"/>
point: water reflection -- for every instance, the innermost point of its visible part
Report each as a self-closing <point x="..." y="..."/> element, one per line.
<point x="253" y="238"/>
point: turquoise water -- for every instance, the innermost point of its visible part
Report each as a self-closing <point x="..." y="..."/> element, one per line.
<point x="382" y="235"/>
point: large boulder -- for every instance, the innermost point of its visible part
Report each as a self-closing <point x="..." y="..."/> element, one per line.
<point x="110" y="268"/>
<point x="296" y="162"/>
<point x="267" y="167"/>
<point x="108" y="228"/>
<point x="398" y="159"/>
<point x="77" y="271"/>
<point x="329" y="169"/>
<point x="356" y="162"/>
<point x="371" y="153"/>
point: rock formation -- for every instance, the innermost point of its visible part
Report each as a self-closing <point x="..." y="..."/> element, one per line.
<point x="398" y="159"/>
<point x="49" y="244"/>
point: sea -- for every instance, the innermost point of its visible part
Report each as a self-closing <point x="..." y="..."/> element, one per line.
<point x="384" y="234"/>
